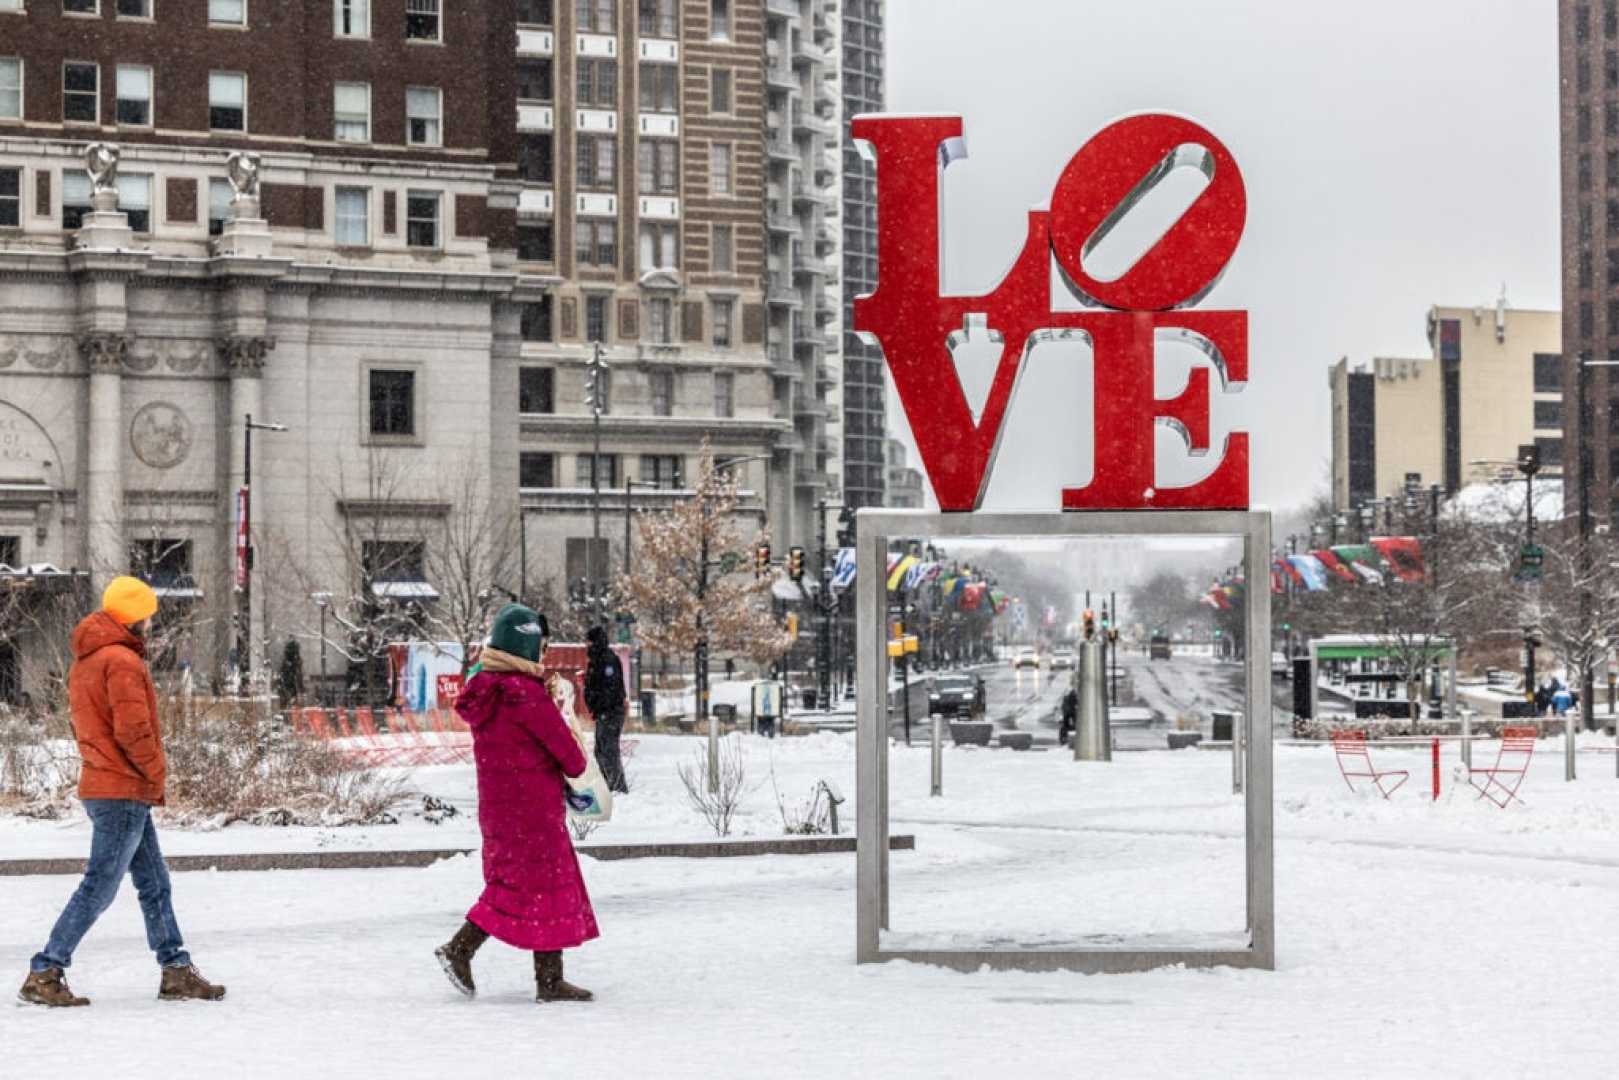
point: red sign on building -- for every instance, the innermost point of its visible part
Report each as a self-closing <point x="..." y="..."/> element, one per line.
<point x="917" y="327"/>
<point x="241" y="538"/>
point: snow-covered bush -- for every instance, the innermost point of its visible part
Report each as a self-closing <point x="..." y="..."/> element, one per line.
<point x="717" y="807"/>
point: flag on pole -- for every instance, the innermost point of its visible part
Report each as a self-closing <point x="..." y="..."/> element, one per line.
<point x="1404" y="555"/>
<point x="843" y="569"/>
<point x="1308" y="568"/>
<point x="1334" y="564"/>
<point x="897" y="571"/>
<point x="1363" y="560"/>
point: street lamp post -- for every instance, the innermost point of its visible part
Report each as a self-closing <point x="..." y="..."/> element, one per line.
<point x="323" y="600"/>
<point x="595" y="397"/>
<point x="244" y="616"/>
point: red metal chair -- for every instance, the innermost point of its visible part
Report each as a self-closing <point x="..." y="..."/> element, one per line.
<point x="1355" y="762"/>
<point x="1502" y="780"/>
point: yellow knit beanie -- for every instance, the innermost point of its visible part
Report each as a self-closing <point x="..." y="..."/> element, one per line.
<point x="129" y="600"/>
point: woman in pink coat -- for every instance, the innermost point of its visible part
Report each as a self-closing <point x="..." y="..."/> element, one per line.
<point x="534" y="897"/>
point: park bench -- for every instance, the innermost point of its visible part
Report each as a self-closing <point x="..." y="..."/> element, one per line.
<point x="1502" y="780"/>
<point x="1355" y="763"/>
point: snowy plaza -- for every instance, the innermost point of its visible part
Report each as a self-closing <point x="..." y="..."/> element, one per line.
<point x="1415" y="937"/>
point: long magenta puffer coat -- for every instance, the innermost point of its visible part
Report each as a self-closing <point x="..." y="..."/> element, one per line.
<point x="533" y="897"/>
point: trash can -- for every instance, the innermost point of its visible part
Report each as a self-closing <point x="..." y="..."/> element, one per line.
<point x="809" y="699"/>
<point x="649" y="707"/>
<point x="1222" y="723"/>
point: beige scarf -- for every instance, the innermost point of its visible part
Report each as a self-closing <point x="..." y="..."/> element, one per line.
<point x="495" y="660"/>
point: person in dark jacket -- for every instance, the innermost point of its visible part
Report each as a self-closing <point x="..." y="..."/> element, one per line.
<point x="604" y="695"/>
<point x="1070" y="717"/>
<point x="534" y="896"/>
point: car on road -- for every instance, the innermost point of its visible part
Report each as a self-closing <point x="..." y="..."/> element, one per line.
<point x="1280" y="666"/>
<point x="1026" y="657"/>
<point x="1064" y="658"/>
<point x="1158" y="648"/>
<point x="957" y="694"/>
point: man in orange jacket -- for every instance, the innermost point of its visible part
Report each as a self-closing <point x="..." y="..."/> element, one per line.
<point x="116" y="725"/>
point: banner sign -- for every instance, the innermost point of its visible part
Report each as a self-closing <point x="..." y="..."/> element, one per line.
<point x="918" y="327"/>
<point x="241" y="538"/>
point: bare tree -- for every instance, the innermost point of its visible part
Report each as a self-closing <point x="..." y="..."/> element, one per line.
<point x="1575" y="608"/>
<point x="685" y="589"/>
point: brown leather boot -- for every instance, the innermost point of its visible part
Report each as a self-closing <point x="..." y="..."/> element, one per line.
<point x="185" y="983"/>
<point x="49" y="988"/>
<point x="549" y="983"/>
<point x="455" y="956"/>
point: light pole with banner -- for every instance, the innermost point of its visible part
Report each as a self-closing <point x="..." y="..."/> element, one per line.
<point x="244" y="557"/>
<point x="596" y="391"/>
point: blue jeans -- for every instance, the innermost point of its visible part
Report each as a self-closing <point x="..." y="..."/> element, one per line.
<point x="124" y="841"/>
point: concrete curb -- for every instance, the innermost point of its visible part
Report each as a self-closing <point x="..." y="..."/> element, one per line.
<point x="386" y="860"/>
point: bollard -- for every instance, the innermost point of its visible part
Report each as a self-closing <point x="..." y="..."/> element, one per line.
<point x="713" y="754"/>
<point x="1467" y="741"/>
<point x="1568" y="745"/>
<point x="1093" y="736"/>
<point x="938" y="755"/>
<point x="1236" y="754"/>
<point x="1436" y="769"/>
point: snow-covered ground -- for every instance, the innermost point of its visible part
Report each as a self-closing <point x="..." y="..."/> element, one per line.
<point x="1415" y="938"/>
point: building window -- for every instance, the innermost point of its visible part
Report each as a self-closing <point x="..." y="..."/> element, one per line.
<point x="353" y="217"/>
<point x="393" y="560"/>
<point x="535" y="325"/>
<point x="724" y="394"/>
<point x="1585" y="172"/>
<point x="662" y="388"/>
<point x="534" y="158"/>
<point x="10" y="197"/>
<point x="75" y="198"/>
<point x="10" y="88"/>
<point x="81" y="7"/>
<point x="422" y="112"/>
<point x="595" y="242"/>
<point x="536" y="388"/>
<point x="597" y="83"/>
<point x="596" y="320"/>
<point x="536" y="470"/>
<point x="81" y="93"/>
<point x="351" y="111"/>
<point x="351" y="18"/>
<point x="719" y="90"/>
<point x="1582" y="75"/>
<point x="658" y="19"/>
<point x="421" y="219"/>
<point x="723" y="310"/>
<point x="719" y="168"/>
<point x="534" y="79"/>
<point x="585" y="476"/>
<point x="1582" y="123"/>
<point x="1549" y="414"/>
<point x="660" y="243"/>
<point x="1548" y="373"/>
<point x="536" y="242"/>
<point x="228" y="12"/>
<point x="134" y="96"/>
<point x="660" y="88"/>
<point x="393" y="402"/>
<point x="658" y="167"/>
<point x="662" y="470"/>
<point x="597" y="16"/>
<point x="422" y="21"/>
<point x="10" y="546"/>
<point x="724" y="249"/>
<point x="227" y="101"/>
<point x="164" y="564"/>
<point x="220" y="193"/>
<point x="135" y="200"/>
<point x="597" y="160"/>
<point x="719" y="20"/>
<point x="1551" y="452"/>
<point x="535" y="12"/>
<point x="132" y="9"/>
<point x="661" y="320"/>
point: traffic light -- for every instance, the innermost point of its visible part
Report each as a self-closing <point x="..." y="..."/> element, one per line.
<point x="792" y="625"/>
<point x="1089" y="620"/>
<point x="795" y="563"/>
<point x="846" y="527"/>
<point x="761" y="560"/>
<point x="1528" y="459"/>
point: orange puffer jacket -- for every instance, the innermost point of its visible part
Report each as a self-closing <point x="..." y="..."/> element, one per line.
<point x="115" y="714"/>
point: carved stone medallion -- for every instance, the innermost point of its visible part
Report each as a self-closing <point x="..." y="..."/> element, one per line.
<point x="161" y="435"/>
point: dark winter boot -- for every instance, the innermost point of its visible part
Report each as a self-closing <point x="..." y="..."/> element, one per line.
<point x="49" y="988"/>
<point x="185" y="983"/>
<point x="550" y="984"/>
<point x="455" y="957"/>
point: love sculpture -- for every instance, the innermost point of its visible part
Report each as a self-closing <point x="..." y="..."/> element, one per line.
<point x="1124" y="319"/>
<point x="917" y="327"/>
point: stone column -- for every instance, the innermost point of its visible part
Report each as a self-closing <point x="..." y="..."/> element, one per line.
<point x="242" y="359"/>
<point x="103" y="354"/>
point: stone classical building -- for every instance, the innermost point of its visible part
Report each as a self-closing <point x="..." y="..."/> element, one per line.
<point x="1492" y="383"/>
<point x="303" y="216"/>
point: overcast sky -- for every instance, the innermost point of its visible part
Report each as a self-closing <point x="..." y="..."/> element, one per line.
<point x="1396" y="155"/>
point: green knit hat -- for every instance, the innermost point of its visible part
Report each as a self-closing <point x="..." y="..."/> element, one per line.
<point x="519" y="631"/>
